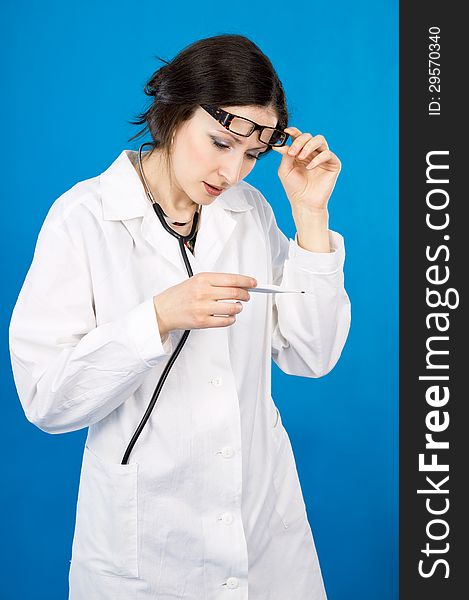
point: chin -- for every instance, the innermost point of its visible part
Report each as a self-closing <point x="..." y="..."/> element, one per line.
<point x="207" y="201"/>
<point x="201" y="197"/>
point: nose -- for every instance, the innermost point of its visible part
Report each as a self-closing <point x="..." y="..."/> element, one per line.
<point x="231" y="167"/>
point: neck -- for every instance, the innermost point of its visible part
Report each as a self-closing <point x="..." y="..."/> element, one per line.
<point x="175" y="203"/>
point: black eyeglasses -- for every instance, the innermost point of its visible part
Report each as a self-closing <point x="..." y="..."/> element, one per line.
<point x="245" y="127"/>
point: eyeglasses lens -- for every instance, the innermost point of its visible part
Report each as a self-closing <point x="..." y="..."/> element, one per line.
<point x="241" y="126"/>
<point x="268" y="135"/>
<point x="273" y="137"/>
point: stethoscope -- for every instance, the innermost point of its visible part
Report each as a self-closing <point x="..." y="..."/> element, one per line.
<point x="181" y="239"/>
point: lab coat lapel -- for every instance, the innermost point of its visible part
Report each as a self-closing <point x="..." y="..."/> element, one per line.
<point x="217" y="226"/>
<point x="163" y="242"/>
<point x="124" y="199"/>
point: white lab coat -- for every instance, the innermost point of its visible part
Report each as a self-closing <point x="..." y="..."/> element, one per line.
<point x="209" y="506"/>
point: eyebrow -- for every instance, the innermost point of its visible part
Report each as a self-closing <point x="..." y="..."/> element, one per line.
<point x="238" y="141"/>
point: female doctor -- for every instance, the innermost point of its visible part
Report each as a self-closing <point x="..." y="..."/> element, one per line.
<point x="196" y="496"/>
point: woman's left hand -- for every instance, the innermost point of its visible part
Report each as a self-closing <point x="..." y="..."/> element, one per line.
<point x="308" y="170"/>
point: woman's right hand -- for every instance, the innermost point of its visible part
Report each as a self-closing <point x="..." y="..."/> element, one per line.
<point x="193" y="303"/>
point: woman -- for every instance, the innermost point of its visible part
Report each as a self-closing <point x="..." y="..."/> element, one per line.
<point x="203" y="502"/>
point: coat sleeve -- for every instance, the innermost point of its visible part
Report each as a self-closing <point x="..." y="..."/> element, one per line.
<point x="309" y="330"/>
<point x="69" y="372"/>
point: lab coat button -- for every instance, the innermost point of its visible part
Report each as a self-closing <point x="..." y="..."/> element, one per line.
<point x="226" y="518"/>
<point x="232" y="583"/>
<point x="227" y="452"/>
<point x="216" y="381"/>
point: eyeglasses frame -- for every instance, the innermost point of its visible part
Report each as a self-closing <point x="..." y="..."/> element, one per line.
<point x="225" y="118"/>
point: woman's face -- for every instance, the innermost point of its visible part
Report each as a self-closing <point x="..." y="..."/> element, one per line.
<point x="204" y="151"/>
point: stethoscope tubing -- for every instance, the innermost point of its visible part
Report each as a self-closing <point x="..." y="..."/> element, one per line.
<point x="181" y="240"/>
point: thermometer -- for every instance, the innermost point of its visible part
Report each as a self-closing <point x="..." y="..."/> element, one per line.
<point x="267" y="288"/>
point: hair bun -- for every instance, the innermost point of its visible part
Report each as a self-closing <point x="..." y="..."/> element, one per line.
<point x="152" y="87"/>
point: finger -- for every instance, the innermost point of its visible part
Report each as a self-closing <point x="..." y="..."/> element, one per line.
<point x="294" y="132"/>
<point x="317" y="143"/>
<point x="305" y="145"/>
<point x="231" y="280"/>
<point x="299" y="143"/>
<point x="323" y="139"/>
<point x="230" y="293"/>
<point x="287" y="163"/>
<point x="220" y="321"/>
<point x="324" y="157"/>
<point x="224" y="308"/>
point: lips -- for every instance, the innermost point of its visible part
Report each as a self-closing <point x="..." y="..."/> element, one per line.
<point x="215" y="187"/>
<point x="212" y="190"/>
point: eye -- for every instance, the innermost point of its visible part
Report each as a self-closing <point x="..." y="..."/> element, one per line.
<point x="223" y="147"/>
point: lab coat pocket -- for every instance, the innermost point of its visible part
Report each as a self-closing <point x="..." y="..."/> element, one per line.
<point x="106" y="527"/>
<point x="289" y="502"/>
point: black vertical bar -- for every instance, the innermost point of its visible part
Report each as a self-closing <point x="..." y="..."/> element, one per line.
<point x="434" y="203"/>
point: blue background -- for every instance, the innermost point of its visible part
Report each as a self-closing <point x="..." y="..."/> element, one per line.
<point x="72" y="77"/>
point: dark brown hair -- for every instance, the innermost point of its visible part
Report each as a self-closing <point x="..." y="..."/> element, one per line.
<point x="224" y="70"/>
